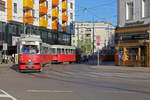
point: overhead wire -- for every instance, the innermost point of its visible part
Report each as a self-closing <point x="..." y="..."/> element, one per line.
<point x="90" y="10"/>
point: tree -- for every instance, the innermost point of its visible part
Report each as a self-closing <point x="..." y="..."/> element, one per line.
<point x="85" y="45"/>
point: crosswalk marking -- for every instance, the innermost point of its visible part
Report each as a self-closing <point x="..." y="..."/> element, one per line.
<point x="49" y="91"/>
<point x="6" y="95"/>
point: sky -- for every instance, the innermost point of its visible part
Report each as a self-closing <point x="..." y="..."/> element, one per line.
<point x="96" y="10"/>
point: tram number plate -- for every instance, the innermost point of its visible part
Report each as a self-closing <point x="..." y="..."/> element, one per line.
<point x="30" y="67"/>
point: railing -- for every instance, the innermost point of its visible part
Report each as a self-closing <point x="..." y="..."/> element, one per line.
<point x="55" y="2"/>
<point x="64" y="18"/>
<point x="43" y="22"/>
<point x="64" y="5"/>
<point x="55" y="13"/>
<point x="54" y="25"/>
<point x="43" y="9"/>
<point x="28" y="19"/>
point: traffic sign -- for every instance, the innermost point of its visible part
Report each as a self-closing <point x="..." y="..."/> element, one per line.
<point x="98" y="37"/>
<point x="98" y="43"/>
<point x="4" y="46"/>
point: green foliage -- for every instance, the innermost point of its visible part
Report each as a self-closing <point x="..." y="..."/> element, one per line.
<point x="85" y="45"/>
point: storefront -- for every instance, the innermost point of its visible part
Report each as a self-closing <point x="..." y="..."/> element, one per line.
<point x="133" y="46"/>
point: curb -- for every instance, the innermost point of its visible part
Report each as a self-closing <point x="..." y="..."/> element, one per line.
<point x="123" y="68"/>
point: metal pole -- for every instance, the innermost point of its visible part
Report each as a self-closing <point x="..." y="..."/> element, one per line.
<point x="78" y="34"/>
<point x="98" y="57"/>
<point x="93" y="34"/>
<point x="24" y="29"/>
<point x="108" y="36"/>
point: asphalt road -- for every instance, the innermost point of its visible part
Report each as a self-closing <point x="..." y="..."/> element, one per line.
<point x="74" y="82"/>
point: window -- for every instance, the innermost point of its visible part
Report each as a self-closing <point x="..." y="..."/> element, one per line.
<point x="129" y="11"/>
<point x="33" y="13"/>
<point x="47" y="4"/>
<point x="2" y="5"/>
<point x="71" y="5"/>
<point x="71" y="16"/>
<point x="145" y="8"/>
<point x="15" y="7"/>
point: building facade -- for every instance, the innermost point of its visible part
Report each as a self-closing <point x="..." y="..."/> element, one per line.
<point x="52" y="19"/>
<point x="132" y="36"/>
<point x="98" y="35"/>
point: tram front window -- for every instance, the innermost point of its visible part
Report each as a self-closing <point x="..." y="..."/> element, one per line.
<point x="30" y="49"/>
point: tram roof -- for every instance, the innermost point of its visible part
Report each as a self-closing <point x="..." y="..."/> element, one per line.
<point x="25" y="37"/>
<point x="58" y="46"/>
<point x="62" y="46"/>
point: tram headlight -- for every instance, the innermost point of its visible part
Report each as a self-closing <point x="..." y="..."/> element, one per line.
<point x="29" y="60"/>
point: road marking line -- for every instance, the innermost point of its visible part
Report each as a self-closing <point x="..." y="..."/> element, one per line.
<point x="3" y="95"/>
<point x="6" y="95"/>
<point x="49" y="91"/>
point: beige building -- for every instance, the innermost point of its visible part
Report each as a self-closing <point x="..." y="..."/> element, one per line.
<point x="93" y="33"/>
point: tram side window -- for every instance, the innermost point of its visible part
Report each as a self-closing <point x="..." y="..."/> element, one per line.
<point x="73" y="51"/>
<point x="53" y="50"/>
<point x="46" y="50"/>
<point x="49" y="50"/>
<point x="63" y="51"/>
<point x="58" y="51"/>
<point x="67" y="51"/>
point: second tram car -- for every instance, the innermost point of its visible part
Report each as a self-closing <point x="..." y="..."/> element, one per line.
<point x="33" y="54"/>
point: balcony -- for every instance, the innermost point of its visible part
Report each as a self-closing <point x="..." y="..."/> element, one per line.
<point x="64" y="6"/>
<point x="43" y="22"/>
<point x="64" y="17"/>
<point x="55" y="2"/>
<point x="55" y="13"/>
<point x="54" y="25"/>
<point x="43" y="10"/>
<point x="28" y="4"/>
<point x="28" y="19"/>
<point x="64" y="28"/>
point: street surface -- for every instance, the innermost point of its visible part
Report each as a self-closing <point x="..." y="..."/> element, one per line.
<point x="76" y="82"/>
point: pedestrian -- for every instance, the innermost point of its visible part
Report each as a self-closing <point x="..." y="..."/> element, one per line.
<point x="5" y="59"/>
<point x="13" y="58"/>
<point x="1" y="59"/>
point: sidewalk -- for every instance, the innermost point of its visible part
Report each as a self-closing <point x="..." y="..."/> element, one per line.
<point x="6" y="65"/>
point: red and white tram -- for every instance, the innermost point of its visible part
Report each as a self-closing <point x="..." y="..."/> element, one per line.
<point x="33" y="54"/>
<point x="29" y="52"/>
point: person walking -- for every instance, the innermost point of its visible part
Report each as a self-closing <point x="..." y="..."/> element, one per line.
<point x="5" y="59"/>
<point x="13" y="58"/>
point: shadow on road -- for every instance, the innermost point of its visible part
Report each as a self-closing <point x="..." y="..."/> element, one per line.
<point x="105" y="63"/>
<point x="15" y="67"/>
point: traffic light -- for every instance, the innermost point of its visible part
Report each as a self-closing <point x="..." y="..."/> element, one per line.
<point x="125" y="56"/>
